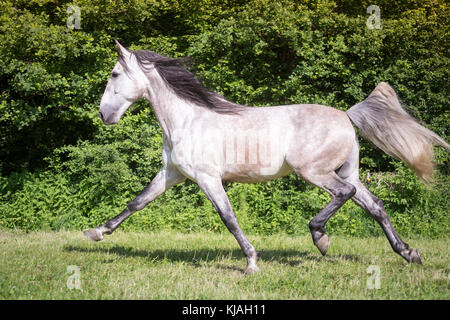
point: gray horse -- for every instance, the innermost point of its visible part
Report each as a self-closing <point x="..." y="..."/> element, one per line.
<point x="210" y="140"/>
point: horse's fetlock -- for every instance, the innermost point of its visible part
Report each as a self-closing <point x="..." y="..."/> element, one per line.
<point x="314" y="226"/>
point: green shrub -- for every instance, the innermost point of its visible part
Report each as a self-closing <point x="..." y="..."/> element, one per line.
<point x="60" y="167"/>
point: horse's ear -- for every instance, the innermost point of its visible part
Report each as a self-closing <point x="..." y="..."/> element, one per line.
<point x="123" y="52"/>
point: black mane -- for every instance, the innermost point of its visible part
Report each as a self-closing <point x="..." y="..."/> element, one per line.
<point x="184" y="83"/>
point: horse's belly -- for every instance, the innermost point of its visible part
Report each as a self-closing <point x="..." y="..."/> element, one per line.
<point x="252" y="173"/>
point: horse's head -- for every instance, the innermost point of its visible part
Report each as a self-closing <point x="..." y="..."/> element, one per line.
<point x="126" y="85"/>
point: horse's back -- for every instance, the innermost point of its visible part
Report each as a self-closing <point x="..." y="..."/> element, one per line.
<point x="268" y="142"/>
<point x="308" y="136"/>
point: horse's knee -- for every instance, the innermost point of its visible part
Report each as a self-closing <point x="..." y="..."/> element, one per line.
<point x="136" y="205"/>
<point x="377" y="210"/>
<point x="230" y="221"/>
<point x="379" y="203"/>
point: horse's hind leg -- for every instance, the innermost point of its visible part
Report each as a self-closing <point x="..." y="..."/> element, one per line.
<point x="341" y="191"/>
<point x="375" y="208"/>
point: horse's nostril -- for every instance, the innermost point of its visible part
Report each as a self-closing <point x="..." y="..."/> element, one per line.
<point x="101" y="115"/>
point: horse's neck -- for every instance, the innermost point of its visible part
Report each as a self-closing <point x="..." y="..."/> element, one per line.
<point x="172" y="112"/>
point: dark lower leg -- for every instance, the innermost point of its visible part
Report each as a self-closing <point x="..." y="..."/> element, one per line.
<point x="139" y="203"/>
<point x="340" y="194"/>
<point x="162" y="181"/>
<point x="216" y="194"/>
<point x="97" y="233"/>
<point x="397" y="244"/>
<point x="115" y="222"/>
<point x="229" y="219"/>
<point x="317" y="224"/>
<point x="375" y="207"/>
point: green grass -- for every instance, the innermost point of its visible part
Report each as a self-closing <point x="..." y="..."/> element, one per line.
<point x="170" y="265"/>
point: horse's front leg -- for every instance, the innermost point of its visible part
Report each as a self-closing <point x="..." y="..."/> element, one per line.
<point x="164" y="180"/>
<point x="212" y="187"/>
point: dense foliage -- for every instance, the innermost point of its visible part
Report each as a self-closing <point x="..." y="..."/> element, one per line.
<point x="62" y="168"/>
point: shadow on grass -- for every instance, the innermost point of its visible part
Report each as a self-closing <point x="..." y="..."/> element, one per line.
<point x="205" y="255"/>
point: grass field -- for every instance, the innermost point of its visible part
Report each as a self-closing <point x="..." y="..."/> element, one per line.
<point x="170" y="265"/>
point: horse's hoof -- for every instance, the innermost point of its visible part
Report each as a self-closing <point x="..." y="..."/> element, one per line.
<point x="94" y="234"/>
<point x="251" y="270"/>
<point x="323" y="244"/>
<point x="415" y="256"/>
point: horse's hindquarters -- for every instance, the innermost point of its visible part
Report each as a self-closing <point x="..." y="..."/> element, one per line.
<point x="323" y="140"/>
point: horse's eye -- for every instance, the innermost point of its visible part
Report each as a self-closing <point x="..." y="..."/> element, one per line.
<point x="114" y="75"/>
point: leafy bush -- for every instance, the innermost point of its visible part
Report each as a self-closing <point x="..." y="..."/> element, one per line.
<point x="62" y="168"/>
